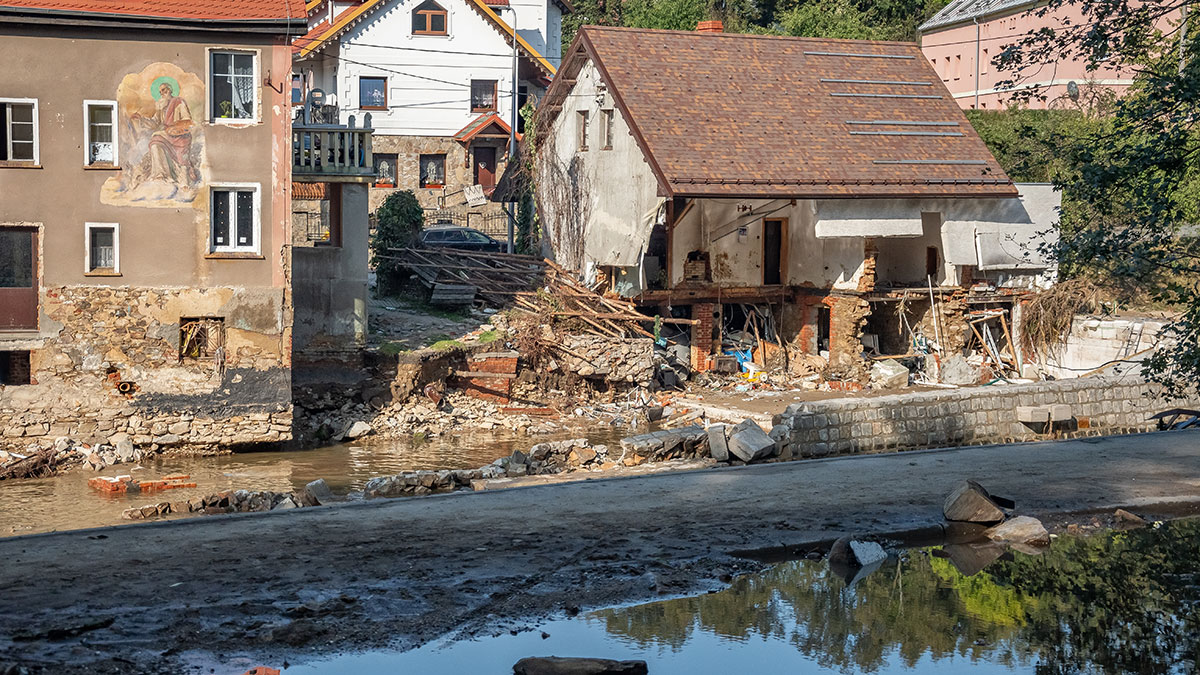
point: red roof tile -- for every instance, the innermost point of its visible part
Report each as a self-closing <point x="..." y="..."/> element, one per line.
<point x="747" y="115"/>
<point x="204" y="10"/>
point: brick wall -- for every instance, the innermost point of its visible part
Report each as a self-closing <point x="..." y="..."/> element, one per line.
<point x="702" y="336"/>
<point x="1099" y="405"/>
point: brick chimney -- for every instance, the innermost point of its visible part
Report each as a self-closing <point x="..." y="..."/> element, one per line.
<point x="710" y="26"/>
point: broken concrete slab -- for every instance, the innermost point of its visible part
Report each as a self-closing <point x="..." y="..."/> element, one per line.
<point x="748" y="442"/>
<point x="889" y="374"/>
<point x="557" y="665"/>
<point x="969" y="502"/>
<point x="1020" y="530"/>
<point x="718" y="444"/>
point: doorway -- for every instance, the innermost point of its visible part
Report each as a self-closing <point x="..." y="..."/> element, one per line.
<point x="774" y="253"/>
<point x="18" y="279"/>
<point x="485" y="167"/>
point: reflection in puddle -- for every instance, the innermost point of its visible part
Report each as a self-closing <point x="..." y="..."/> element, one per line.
<point x="66" y="502"/>
<point x="1111" y="602"/>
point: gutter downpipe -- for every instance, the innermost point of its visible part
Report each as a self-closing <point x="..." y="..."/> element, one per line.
<point x="977" y="65"/>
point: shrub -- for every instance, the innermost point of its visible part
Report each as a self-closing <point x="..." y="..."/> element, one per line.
<point x="399" y="222"/>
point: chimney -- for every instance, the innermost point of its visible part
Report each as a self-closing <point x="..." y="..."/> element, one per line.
<point x="710" y="27"/>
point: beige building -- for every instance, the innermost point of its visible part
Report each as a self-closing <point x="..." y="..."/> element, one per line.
<point x="145" y="226"/>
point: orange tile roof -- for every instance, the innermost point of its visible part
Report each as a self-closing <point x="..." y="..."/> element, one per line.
<point x="207" y="10"/>
<point x="731" y="115"/>
<point x="310" y="43"/>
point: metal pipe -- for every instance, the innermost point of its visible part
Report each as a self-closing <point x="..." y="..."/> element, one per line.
<point x="512" y="132"/>
<point x="976" y="19"/>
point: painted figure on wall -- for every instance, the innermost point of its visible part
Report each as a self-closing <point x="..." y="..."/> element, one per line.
<point x="162" y="160"/>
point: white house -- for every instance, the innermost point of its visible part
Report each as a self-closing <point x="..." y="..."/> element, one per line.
<point x="436" y="77"/>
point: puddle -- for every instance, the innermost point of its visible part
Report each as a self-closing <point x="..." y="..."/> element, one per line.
<point x="1110" y="602"/>
<point x="67" y="503"/>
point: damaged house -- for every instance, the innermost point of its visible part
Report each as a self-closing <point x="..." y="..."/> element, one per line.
<point x="145" y="221"/>
<point x="832" y="188"/>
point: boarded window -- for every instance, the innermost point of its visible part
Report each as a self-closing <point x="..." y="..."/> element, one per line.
<point x="201" y="337"/>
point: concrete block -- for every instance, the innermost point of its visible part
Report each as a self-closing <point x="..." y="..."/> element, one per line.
<point x="1060" y="412"/>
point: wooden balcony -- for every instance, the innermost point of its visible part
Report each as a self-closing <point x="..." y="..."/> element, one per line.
<point x="331" y="152"/>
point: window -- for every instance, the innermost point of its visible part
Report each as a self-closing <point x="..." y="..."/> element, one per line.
<point x="385" y="170"/>
<point x="19" y="130"/>
<point x="583" y="122"/>
<point x="372" y="93"/>
<point x="101" y="241"/>
<point x="483" y="95"/>
<point x="606" y="129"/>
<point x="234" y="219"/>
<point x="297" y="90"/>
<point x="200" y="337"/>
<point x="429" y="18"/>
<point x="232" y="87"/>
<point x="14" y="369"/>
<point x="433" y="171"/>
<point x="100" y="133"/>
<point x="983" y="66"/>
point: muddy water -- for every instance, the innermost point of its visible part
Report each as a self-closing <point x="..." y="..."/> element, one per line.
<point x="1109" y="602"/>
<point x="67" y="503"/>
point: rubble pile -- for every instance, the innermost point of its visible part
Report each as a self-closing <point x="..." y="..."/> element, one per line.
<point x="67" y="453"/>
<point x="238" y="501"/>
<point x="629" y="360"/>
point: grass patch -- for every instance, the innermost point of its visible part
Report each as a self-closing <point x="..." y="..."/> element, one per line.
<point x="489" y="336"/>
<point x="442" y="345"/>
<point x="392" y="348"/>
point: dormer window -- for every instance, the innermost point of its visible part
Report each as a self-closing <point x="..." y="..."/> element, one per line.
<point x="429" y="18"/>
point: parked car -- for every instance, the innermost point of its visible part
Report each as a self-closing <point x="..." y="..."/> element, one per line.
<point x="465" y="238"/>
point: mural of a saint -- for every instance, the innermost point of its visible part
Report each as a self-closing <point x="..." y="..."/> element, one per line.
<point x="170" y="138"/>
<point x="161" y="145"/>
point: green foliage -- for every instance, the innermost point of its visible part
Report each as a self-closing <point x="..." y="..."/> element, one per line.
<point x="488" y="337"/>
<point x="392" y="348"/>
<point x="832" y="19"/>
<point x="443" y="345"/>
<point x="398" y="223"/>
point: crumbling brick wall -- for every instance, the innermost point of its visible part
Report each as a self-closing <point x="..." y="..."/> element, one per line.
<point x="108" y="361"/>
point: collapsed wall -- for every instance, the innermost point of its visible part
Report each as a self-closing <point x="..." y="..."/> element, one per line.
<point x="1094" y="406"/>
<point x="193" y="368"/>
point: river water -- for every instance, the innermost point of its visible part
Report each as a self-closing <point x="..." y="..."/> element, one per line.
<point x="66" y="502"/>
<point x="1110" y="602"/>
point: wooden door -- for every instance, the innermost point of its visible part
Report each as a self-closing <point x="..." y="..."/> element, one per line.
<point x="485" y="167"/>
<point x="18" y="279"/>
<point x="774" y="251"/>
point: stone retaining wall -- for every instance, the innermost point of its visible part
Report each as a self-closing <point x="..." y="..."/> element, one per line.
<point x="1099" y="406"/>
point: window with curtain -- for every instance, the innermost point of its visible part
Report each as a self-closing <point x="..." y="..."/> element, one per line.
<point x="232" y="86"/>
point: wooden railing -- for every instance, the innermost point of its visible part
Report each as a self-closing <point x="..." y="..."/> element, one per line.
<point x="331" y="150"/>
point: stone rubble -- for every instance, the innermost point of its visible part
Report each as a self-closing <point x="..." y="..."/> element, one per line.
<point x="237" y="501"/>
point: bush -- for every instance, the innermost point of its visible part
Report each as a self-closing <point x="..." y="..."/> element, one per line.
<point x="399" y="222"/>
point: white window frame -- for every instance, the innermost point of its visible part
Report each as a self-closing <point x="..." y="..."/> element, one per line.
<point x="87" y="129"/>
<point x="209" y="88"/>
<point x="256" y="211"/>
<point x="37" y="142"/>
<point x="87" y="247"/>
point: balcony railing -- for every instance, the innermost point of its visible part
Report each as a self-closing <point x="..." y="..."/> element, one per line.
<point x="331" y="150"/>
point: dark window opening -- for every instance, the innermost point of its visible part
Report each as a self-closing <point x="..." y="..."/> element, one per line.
<point x="483" y="95"/>
<point x="654" y="262"/>
<point x="429" y="18"/>
<point x="582" y="130"/>
<point x="433" y="171"/>
<point x="931" y="262"/>
<point x="772" y="252"/>
<point x="372" y="93"/>
<point x="201" y="337"/>
<point x="15" y="369"/>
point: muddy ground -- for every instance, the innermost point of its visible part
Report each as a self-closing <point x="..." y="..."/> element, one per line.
<point x="219" y="592"/>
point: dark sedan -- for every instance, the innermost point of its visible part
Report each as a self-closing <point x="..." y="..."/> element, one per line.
<point x="465" y="238"/>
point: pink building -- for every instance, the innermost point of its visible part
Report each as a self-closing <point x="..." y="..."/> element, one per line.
<point x="962" y="40"/>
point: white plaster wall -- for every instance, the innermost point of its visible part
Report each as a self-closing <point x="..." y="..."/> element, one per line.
<point x="428" y="92"/>
<point x="736" y="259"/>
<point x="616" y="187"/>
<point x="902" y="259"/>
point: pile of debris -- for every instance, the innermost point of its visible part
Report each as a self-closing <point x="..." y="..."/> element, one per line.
<point x="455" y="277"/>
<point x="237" y="501"/>
<point x="67" y="453"/>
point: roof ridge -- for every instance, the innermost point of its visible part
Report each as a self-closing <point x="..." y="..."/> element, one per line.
<point x="796" y="38"/>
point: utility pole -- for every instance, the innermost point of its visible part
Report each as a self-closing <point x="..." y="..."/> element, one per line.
<point x="512" y="132"/>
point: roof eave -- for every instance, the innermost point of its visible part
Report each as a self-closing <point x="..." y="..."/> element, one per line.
<point x="281" y="25"/>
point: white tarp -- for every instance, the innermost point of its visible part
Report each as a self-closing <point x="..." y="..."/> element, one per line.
<point x="868" y="218"/>
<point x="613" y="242"/>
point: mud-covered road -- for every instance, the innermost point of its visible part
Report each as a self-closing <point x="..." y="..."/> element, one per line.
<point x="160" y="598"/>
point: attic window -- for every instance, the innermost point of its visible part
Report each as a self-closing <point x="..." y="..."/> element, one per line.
<point x="429" y="18"/>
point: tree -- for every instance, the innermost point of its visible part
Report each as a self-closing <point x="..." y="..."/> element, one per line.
<point x="1134" y="176"/>
<point x="398" y="224"/>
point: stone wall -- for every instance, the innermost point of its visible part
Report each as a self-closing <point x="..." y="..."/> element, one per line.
<point x="1098" y="406"/>
<point x="459" y="170"/>
<point x="610" y="359"/>
<point x="107" y="362"/>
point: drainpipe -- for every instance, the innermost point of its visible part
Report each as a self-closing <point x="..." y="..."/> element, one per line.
<point x="976" y="19"/>
<point x="512" y="132"/>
